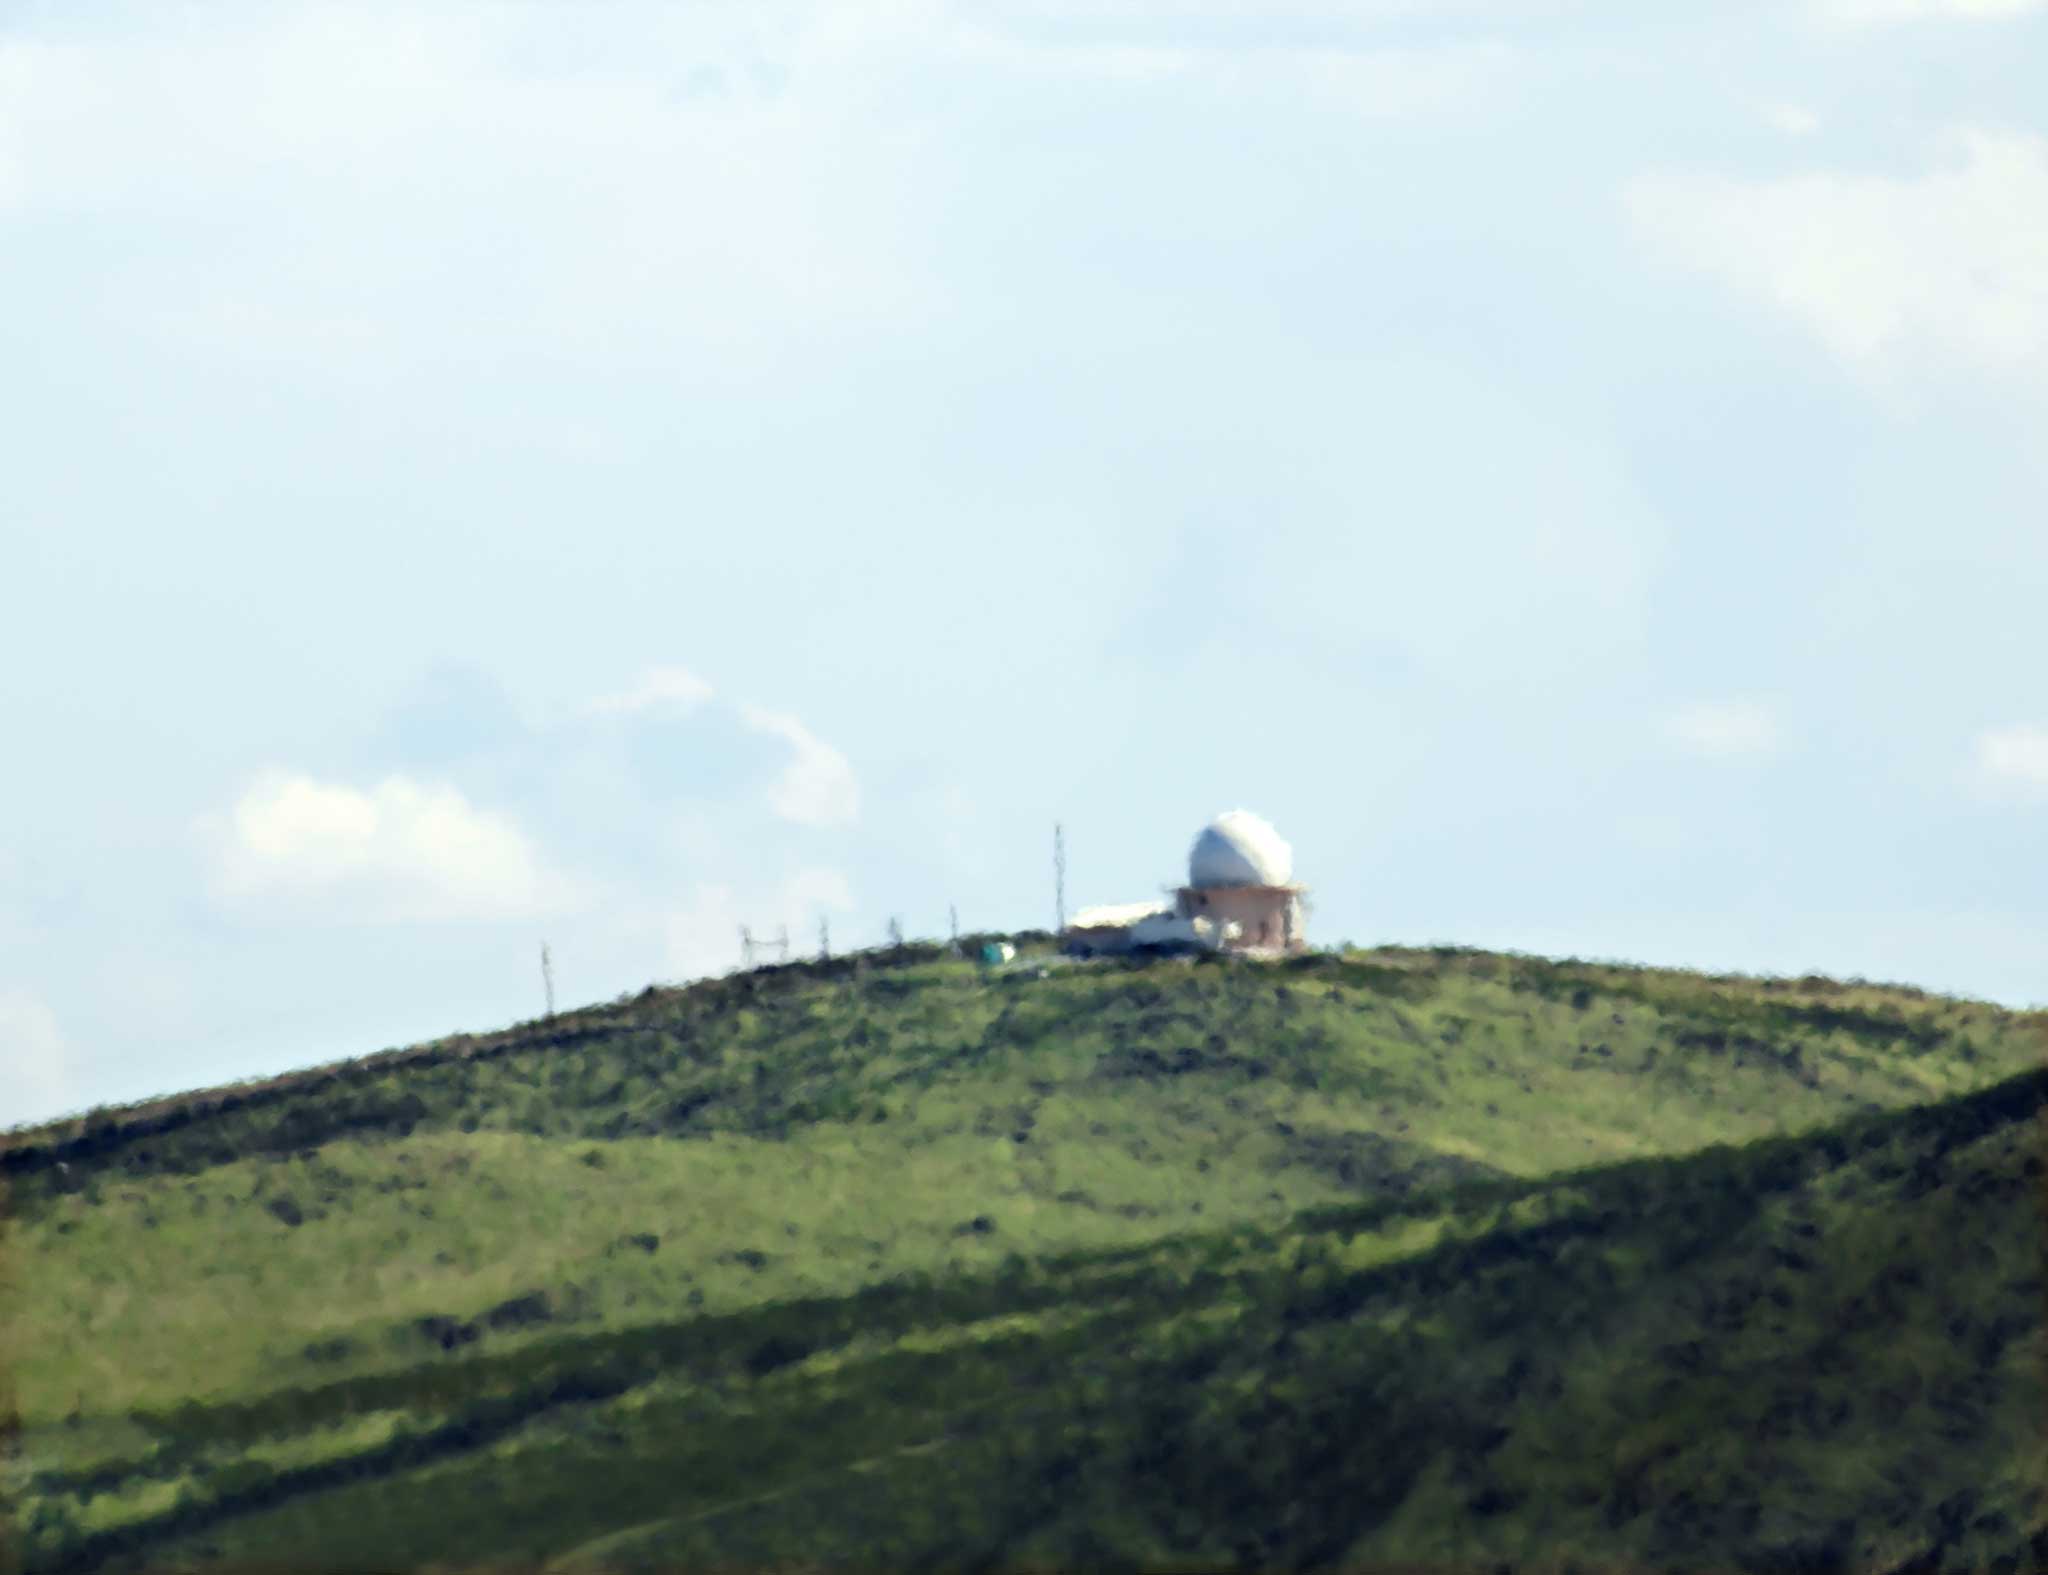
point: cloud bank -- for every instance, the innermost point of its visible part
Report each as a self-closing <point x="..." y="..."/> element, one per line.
<point x="817" y="787"/>
<point x="668" y="689"/>
<point x="1950" y="263"/>
<point x="401" y="850"/>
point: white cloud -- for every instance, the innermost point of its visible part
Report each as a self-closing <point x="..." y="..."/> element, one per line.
<point x="37" y="1077"/>
<point x="817" y="787"/>
<point x="703" y="936"/>
<point x="401" y="850"/>
<point x="1952" y="261"/>
<point x="1723" y="729"/>
<point x="2013" y="760"/>
<point x="673" y="689"/>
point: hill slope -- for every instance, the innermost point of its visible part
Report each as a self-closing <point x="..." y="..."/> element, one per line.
<point x="895" y="1256"/>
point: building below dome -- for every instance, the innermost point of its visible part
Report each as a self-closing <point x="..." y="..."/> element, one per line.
<point x="1240" y="897"/>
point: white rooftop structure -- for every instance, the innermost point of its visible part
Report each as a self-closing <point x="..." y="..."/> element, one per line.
<point x="1115" y="915"/>
<point x="1239" y="848"/>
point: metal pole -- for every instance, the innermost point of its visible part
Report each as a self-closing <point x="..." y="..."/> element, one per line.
<point x="1059" y="878"/>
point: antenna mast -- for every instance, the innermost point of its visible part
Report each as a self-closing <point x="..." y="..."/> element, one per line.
<point x="1059" y="878"/>
<point x="547" y="976"/>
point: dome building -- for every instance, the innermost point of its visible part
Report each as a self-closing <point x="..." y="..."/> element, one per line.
<point x="1240" y="896"/>
<point x="1241" y="874"/>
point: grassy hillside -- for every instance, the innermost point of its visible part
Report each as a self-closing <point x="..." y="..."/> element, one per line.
<point x="1391" y="1256"/>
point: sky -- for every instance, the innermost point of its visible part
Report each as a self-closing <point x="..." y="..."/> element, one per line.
<point x="479" y="476"/>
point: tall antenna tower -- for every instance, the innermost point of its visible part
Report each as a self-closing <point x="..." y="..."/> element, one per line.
<point x="547" y="976"/>
<point x="1059" y="878"/>
<point x="824" y="938"/>
<point x="746" y="947"/>
<point x="782" y="942"/>
<point x="953" y="918"/>
<point x="895" y="932"/>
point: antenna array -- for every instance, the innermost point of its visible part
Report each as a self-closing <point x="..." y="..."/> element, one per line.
<point x="753" y="952"/>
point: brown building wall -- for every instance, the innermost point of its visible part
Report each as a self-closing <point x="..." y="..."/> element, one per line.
<point x="1268" y="917"/>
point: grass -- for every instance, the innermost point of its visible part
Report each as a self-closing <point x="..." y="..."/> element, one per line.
<point x="1376" y="1257"/>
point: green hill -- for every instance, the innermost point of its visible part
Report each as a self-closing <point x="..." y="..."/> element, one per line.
<point x="1381" y="1259"/>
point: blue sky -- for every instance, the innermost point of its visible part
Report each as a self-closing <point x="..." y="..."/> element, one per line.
<point x="479" y="474"/>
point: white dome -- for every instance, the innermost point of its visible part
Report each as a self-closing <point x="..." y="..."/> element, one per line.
<point x="1239" y="848"/>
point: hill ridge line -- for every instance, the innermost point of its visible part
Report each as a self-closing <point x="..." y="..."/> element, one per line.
<point x="38" y="1146"/>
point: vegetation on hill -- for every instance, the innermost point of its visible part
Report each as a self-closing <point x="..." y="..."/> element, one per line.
<point x="1368" y="1258"/>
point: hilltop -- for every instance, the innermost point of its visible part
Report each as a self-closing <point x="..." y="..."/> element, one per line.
<point x="1391" y="1255"/>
